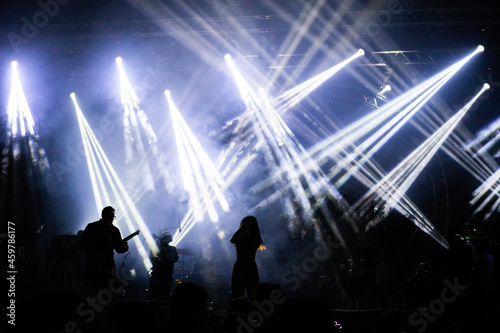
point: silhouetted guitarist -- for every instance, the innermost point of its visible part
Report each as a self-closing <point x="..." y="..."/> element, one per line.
<point x="99" y="240"/>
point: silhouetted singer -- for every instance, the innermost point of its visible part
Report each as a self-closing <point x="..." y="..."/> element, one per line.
<point x="99" y="240"/>
<point x="247" y="241"/>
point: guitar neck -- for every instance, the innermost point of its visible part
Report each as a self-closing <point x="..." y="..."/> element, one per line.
<point x="131" y="235"/>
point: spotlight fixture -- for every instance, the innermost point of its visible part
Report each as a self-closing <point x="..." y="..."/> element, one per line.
<point x="383" y="90"/>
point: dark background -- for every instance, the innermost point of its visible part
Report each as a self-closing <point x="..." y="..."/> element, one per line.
<point x="75" y="51"/>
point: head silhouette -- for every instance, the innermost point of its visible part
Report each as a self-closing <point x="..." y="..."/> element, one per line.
<point x="250" y="223"/>
<point x="164" y="238"/>
<point x="108" y="214"/>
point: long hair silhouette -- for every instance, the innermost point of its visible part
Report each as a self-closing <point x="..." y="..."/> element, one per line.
<point x="250" y="222"/>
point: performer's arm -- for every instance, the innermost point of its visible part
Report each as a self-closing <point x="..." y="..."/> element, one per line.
<point x="118" y="244"/>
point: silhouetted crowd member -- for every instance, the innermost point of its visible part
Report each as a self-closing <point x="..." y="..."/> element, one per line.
<point x="99" y="240"/>
<point x="188" y="309"/>
<point x="238" y="311"/>
<point x="245" y="273"/>
<point x="160" y="281"/>
<point x="269" y="301"/>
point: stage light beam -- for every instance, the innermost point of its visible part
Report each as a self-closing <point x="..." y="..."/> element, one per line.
<point x="98" y="164"/>
<point x="141" y="143"/>
<point x="201" y="178"/>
